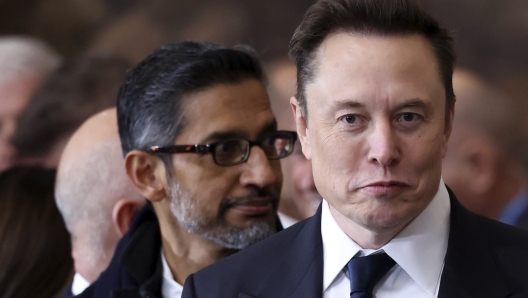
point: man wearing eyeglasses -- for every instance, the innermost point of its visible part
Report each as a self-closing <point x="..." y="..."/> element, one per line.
<point x="201" y="144"/>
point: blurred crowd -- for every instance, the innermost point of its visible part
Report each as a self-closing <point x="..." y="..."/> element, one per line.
<point x="65" y="199"/>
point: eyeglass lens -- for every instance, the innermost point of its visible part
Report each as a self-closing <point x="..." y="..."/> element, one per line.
<point x="235" y="151"/>
<point x="231" y="152"/>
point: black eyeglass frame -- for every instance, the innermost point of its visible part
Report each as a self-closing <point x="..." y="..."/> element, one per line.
<point x="210" y="148"/>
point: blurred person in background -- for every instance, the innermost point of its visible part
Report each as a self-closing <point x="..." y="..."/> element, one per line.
<point x="299" y="197"/>
<point x="483" y="165"/>
<point x="35" y="255"/>
<point x="95" y="197"/>
<point x="202" y="145"/>
<point x="516" y="88"/>
<point x="24" y="64"/>
<point x="69" y="96"/>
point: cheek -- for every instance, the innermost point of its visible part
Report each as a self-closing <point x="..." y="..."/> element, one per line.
<point x="425" y="153"/>
<point x="334" y="164"/>
<point x="207" y="182"/>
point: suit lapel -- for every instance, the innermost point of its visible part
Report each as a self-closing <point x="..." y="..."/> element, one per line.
<point x="300" y="271"/>
<point x="469" y="270"/>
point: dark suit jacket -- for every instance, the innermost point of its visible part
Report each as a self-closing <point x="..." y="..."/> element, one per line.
<point x="136" y="269"/>
<point x="484" y="258"/>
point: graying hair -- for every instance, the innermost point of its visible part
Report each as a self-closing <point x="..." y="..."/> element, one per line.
<point x="21" y="56"/>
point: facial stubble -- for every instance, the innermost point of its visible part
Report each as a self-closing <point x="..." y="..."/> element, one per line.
<point x="216" y="228"/>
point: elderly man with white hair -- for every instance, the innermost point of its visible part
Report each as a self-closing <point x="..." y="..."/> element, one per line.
<point x="24" y="63"/>
<point x="95" y="197"/>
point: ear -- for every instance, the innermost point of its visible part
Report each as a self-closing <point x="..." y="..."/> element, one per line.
<point x="482" y="163"/>
<point x="147" y="173"/>
<point x="123" y="214"/>
<point x="302" y="127"/>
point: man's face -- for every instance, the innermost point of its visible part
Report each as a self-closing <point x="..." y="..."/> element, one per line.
<point x="376" y="130"/>
<point x="233" y="206"/>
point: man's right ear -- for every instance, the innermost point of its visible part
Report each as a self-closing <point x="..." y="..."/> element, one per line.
<point x="147" y="173"/>
<point x="302" y="127"/>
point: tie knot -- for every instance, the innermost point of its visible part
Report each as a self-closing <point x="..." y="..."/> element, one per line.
<point x="366" y="272"/>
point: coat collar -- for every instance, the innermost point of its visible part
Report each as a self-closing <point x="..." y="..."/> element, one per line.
<point x="301" y="264"/>
<point x="469" y="268"/>
<point x="141" y="258"/>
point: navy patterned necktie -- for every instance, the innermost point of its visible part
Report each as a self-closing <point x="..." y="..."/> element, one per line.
<point x="366" y="272"/>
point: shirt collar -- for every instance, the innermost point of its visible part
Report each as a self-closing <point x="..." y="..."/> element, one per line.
<point x="79" y="284"/>
<point x="169" y="287"/>
<point x="419" y="249"/>
<point x="286" y="221"/>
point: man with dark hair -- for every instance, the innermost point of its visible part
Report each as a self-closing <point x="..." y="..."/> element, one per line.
<point x="77" y="90"/>
<point x="373" y="110"/>
<point x="202" y="145"/>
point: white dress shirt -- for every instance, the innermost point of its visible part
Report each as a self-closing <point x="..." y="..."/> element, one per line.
<point x="418" y="251"/>
<point x="169" y="287"/>
<point x="79" y="284"/>
<point x="286" y="220"/>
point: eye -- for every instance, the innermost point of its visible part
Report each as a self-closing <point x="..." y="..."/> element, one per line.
<point x="408" y="117"/>
<point x="350" y="119"/>
<point x="352" y="122"/>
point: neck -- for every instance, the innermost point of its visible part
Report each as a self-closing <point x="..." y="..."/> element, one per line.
<point x="366" y="237"/>
<point x="88" y="267"/>
<point x="186" y="253"/>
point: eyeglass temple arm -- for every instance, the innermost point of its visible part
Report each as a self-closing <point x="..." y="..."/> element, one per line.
<point x="182" y="149"/>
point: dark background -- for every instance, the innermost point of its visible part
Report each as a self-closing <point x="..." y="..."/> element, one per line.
<point x="491" y="35"/>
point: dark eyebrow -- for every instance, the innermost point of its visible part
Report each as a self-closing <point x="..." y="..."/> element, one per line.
<point x="238" y="134"/>
<point x="348" y="103"/>
<point x="415" y="102"/>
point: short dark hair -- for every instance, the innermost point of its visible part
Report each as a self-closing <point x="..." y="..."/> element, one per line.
<point x="79" y="89"/>
<point x="374" y="17"/>
<point x="36" y="252"/>
<point x="149" y="105"/>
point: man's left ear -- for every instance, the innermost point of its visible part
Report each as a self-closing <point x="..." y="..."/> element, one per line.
<point x="123" y="214"/>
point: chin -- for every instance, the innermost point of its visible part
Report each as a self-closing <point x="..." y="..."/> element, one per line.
<point x="385" y="216"/>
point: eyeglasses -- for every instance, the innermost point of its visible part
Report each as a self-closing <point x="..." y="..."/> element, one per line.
<point x="276" y="145"/>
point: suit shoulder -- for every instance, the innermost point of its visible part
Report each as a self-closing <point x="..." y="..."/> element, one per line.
<point x="255" y="261"/>
<point x="501" y="234"/>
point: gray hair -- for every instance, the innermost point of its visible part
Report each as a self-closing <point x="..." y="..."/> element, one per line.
<point x="26" y="56"/>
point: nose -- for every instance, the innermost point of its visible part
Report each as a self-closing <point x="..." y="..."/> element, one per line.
<point x="383" y="148"/>
<point x="259" y="170"/>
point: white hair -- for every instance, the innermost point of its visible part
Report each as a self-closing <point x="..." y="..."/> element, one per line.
<point x="87" y="190"/>
<point x="26" y="56"/>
